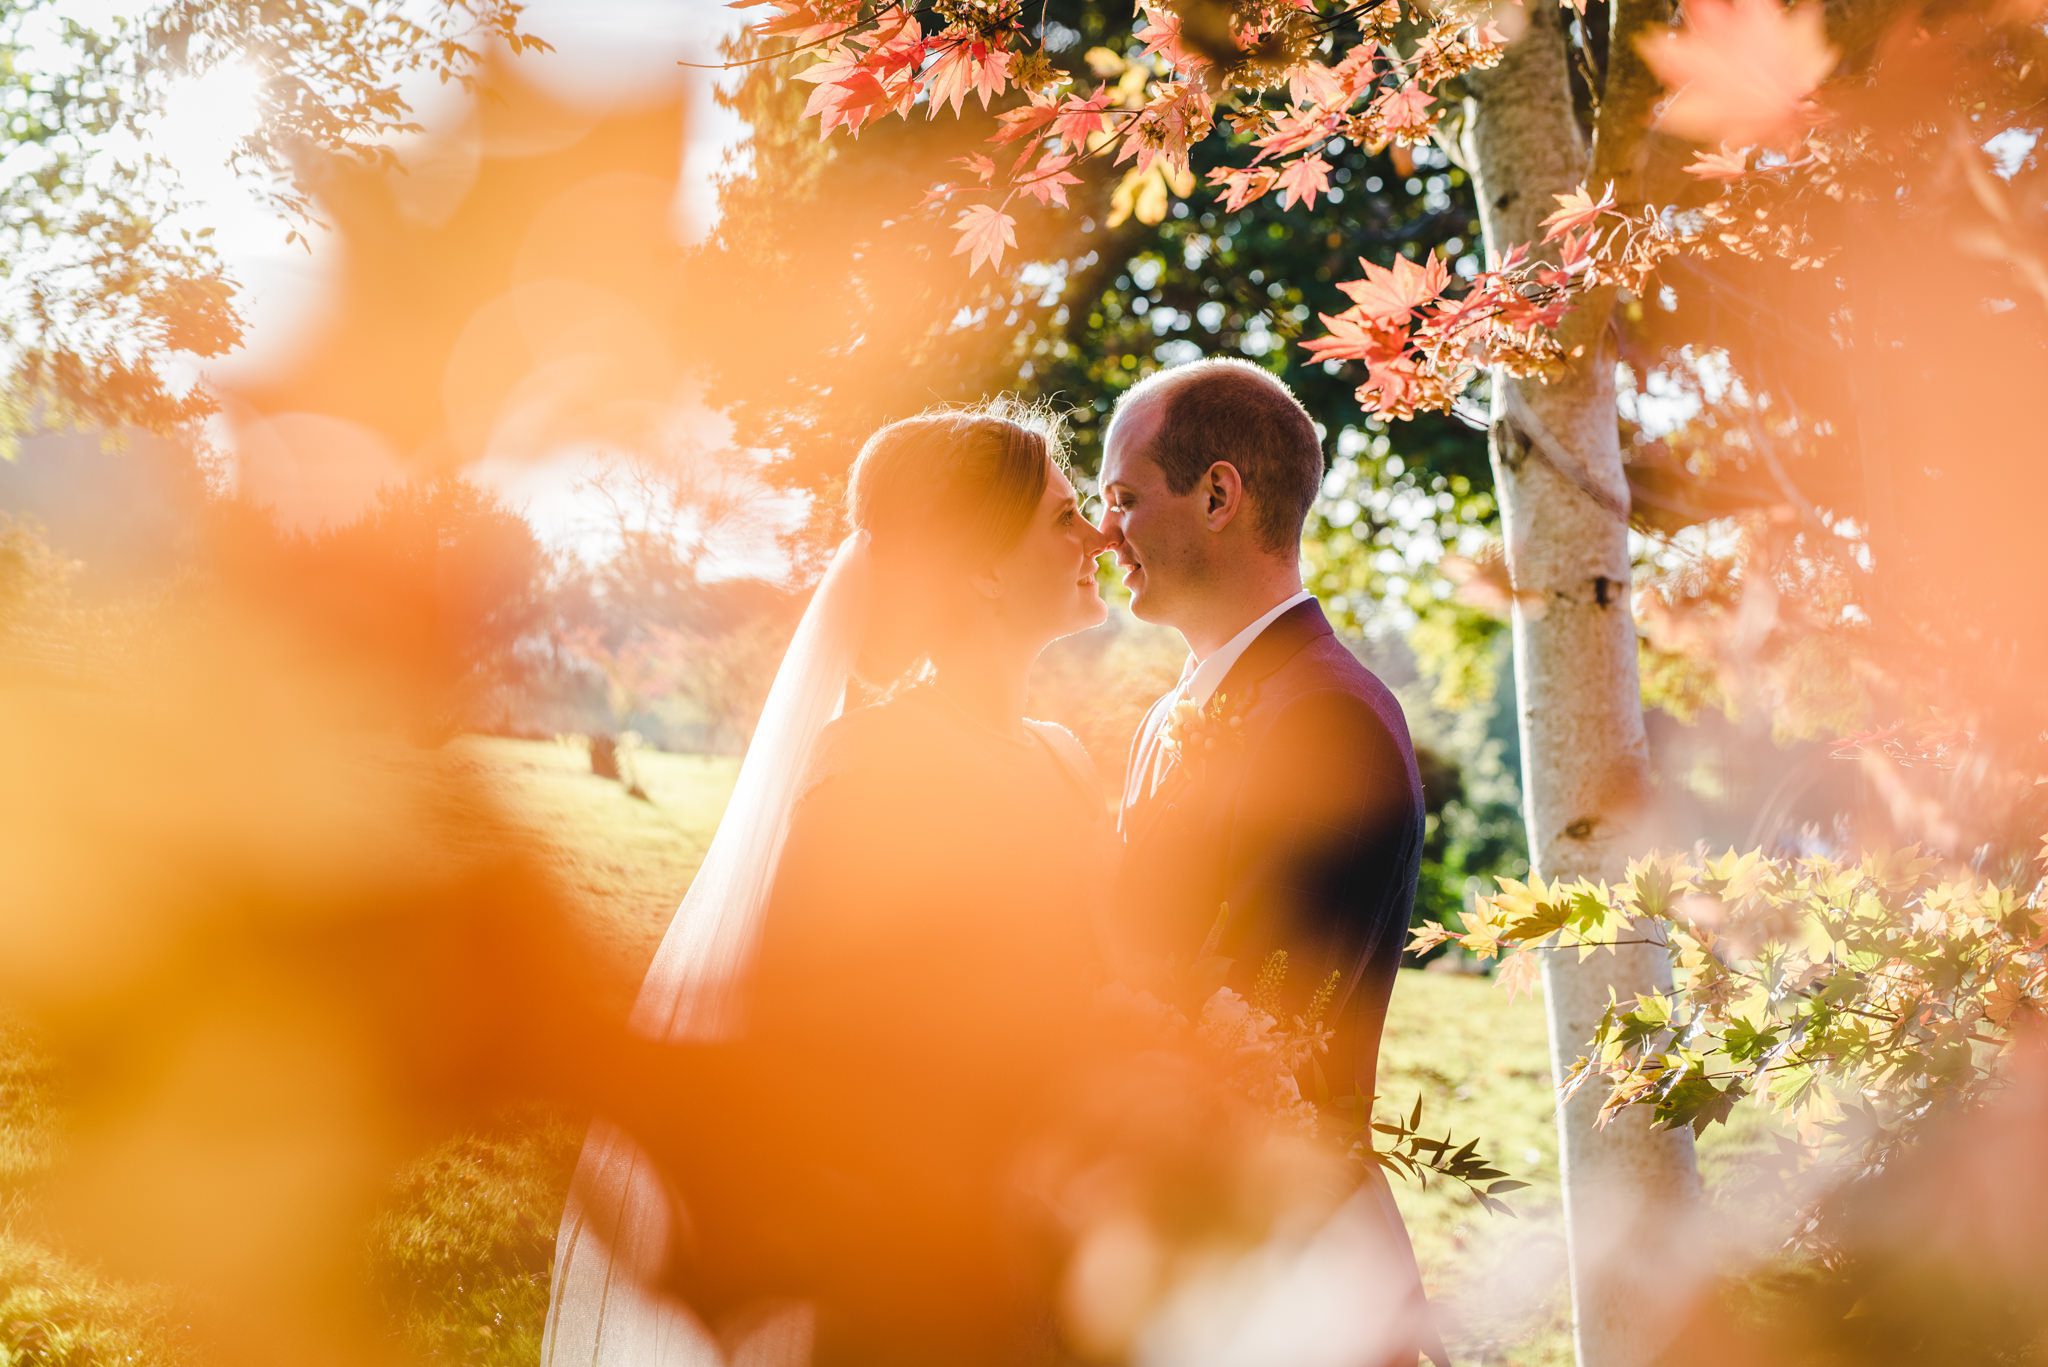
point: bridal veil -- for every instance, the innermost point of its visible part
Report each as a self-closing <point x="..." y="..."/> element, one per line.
<point x="598" y="1316"/>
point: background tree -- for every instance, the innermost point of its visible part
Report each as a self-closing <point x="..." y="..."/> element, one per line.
<point x="107" y="282"/>
<point x="430" y="593"/>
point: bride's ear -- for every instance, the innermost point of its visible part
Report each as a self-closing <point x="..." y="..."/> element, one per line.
<point x="987" y="583"/>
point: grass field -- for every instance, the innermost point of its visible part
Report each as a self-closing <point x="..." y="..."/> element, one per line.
<point x="461" y="1253"/>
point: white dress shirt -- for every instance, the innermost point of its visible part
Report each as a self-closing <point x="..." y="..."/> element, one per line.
<point x="1199" y="680"/>
<point x="1208" y="673"/>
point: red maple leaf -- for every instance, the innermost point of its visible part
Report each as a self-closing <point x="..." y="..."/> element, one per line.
<point x="1242" y="185"/>
<point x="1025" y="120"/>
<point x="1355" y="71"/>
<point x="1177" y="117"/>
<point x="1302" y="180"/>
<point x="1079" y="120"/>
<point x="984" y="169"/>
<point x="849" y="92"/>
<point x="1049" y="180"/>
<point x="1577" y="210"/>
<point x="984" y="231"/>
<point x="1161" y="36"/>
<point x="1292" y="132"/>
<point x="1314" y="86"/>
<point x="1396" y="292"/>
<point x="1356" y="336"/>
<point x="1404" y="113"/>
<point x="967" y="66"/>
<point x="1740" y="71"/>
<point x="1392" y="390"/>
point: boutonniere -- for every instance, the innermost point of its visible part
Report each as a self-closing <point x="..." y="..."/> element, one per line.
<point x="1196" y="734"/>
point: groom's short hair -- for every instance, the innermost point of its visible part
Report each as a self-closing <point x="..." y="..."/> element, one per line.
<point x="1224" y="409"/>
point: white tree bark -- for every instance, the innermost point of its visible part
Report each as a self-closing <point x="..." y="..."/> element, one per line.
<point x="1557" y="467"/>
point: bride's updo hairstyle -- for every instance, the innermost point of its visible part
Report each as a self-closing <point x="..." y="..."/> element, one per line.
<point x="942" y="495"/>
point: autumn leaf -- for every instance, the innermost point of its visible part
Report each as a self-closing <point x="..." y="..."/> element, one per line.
<point x="1049" y="180"/>
<point x="1311" y="84"/>
<point x="1024" y="120"/>
<point x="1174" y="121"/>
<point x="1725" y="163"/>
<point x="1396" y="390"/>
<point x="1302" y="180"/>
<point x="1519" y="973"/>
<point x="1577" y="210"/>
<point x="984" y="231"/>
<point x="1161" y="36"/>
<point x="1352" y="336"/>
<point x="1243" y="185"/>
<point x="1428" y="936"/>
<point x="849" y="92"/>
<point x="984" y="169"/>
<point x="1146" y="192"/>
<point x="1291" y="133"/>
<point x="1404" y="114"/>
<point x="1398" y="291"/>
<point x="1740" y="71"/>
<point x="967" y="67"/>
<point x="1080" y="120"/>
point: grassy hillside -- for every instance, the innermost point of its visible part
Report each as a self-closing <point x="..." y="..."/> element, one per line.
<point x="461" y="1253"/>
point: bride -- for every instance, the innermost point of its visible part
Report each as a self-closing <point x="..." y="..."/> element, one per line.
<point x="895" y="919"/>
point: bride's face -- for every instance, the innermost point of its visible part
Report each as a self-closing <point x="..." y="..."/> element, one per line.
<point x="1047" y="581"/>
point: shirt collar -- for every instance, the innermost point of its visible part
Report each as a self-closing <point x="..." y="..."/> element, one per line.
<point x="1200" y="679"/>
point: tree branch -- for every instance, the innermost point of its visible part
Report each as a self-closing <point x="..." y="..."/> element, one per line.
<point x="1621" y="133"/>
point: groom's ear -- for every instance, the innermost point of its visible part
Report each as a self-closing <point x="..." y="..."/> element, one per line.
<point x="1222" y="495"/>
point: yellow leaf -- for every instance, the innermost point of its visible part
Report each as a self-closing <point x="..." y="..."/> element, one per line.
<point x="1519" y="973"/>
<point x="1105" y="63"/>
<point x="1146" y="195"/>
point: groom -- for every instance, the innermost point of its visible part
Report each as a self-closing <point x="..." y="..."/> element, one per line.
<point x="1276" y="779"/>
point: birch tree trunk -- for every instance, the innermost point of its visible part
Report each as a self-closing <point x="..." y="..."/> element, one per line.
<point x="1556" y="455"/>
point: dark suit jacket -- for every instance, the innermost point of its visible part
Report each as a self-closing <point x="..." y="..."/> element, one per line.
<point x="1298" y="805"/>
<point x="1304" y="815"/>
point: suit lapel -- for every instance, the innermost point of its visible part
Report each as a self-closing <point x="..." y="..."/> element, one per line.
<point x="1270" y="649"/>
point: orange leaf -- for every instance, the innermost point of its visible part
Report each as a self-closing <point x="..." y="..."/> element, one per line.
<point x="1049" y="180"/>
<point x="984" y="231"/>
<point x="1722" y="164"/>
<point x="1024" y="120"/>
<point x="967" y="66"/>
<point x="1397" y="292"/>
<point x="1079" y="120"/>
<point x="1577" y="210"/>
<point x="1302" y="180"/>
<point x="1740" y="71"/>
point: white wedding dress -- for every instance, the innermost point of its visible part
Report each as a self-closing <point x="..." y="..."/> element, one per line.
<point x="598" y="1315"/>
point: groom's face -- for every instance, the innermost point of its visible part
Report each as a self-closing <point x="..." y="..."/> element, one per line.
<point x="1160" y="537"/>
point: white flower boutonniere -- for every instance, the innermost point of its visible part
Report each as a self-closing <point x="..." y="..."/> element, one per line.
<point x="1196" y="734"/>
